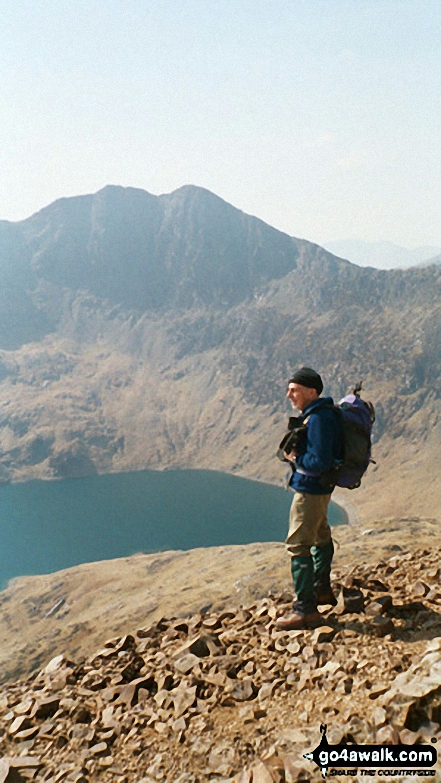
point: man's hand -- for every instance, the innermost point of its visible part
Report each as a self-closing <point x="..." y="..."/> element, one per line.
<point x="291" y="456"/>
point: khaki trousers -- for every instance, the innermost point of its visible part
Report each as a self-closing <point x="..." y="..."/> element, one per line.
<point x="308" y="523"/>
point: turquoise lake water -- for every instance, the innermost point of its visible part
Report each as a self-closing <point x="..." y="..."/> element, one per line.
<point x="49" y="525"/>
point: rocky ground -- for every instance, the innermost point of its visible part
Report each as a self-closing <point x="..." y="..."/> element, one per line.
<point x="222" y="695"/>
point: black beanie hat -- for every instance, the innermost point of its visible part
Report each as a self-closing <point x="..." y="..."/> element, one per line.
<point x="309" y="378"/>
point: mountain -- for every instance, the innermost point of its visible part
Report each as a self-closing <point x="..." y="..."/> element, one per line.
<point x="382" y="255"/>
<point x="159" y="331"/>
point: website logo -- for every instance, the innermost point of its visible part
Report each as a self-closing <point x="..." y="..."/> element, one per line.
<point x="403" y="758"/>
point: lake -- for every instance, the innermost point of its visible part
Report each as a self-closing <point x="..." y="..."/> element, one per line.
<point x="49" y="525"/>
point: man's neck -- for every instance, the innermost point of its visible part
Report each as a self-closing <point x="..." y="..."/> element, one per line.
<point x="310" y="403"/>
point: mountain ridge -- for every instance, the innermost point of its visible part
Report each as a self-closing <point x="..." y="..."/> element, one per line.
<point x="111" y="302"/>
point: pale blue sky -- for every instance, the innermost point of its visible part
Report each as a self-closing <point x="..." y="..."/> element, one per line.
<point x="322" y="117"/>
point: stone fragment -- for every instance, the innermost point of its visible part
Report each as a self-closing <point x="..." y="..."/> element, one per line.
<point x="267" y="690"/>
<point x="382" y="626"/>
<point x="107" y="717"/>
<point x="325" y="633"/>
<point x="27" y="734"/>
<point x="105" y="761"/>
<point x="211" y="623"/>
<point x="99" y="748"/>
<point x="11" y="768"/>
<point x="19" y="724"/>
<point x="60" y="741"/>
<point x="434" y="595"/>
<point x="374" y="608"/>
<point x="202" y="745"/>
<point x="378" y="688"/>
<point x="243" y="690"/>
<point x="293" y="770"/>
<point x="379" y="716"/>
<point x="353" y="600"/>
<point x="387" y="735"/>
<point x="94" y="682"/>
<point x="179" y="724"/>
<point x="377" y="585"/>
<point x="106" y="652"/>
<point x="128" y="694"/>
<point x="420" y="590"/>
<point x="434" y="645"/>
<point x="186" y="663"/>
<point x="216" y="678"/>
<point x="109" y="735"/>
<point x="429" y="729"/>
<point x="250" y="713"/>
<point x="183" y="698"/>
<point x="294" y="737"/>
<point x="122" y="643"/>
<point x="246" y="776"/>
<point x="24" y="708"/>
<point x="132" y="669"/>
<point x="9" y="774"/>
<point x="385" y="601"/>
<point x="408" y="737"/>
<point x="25" y="762"/>
<point x="220" y="759"/>
<point x="350" y="600"/>
<point x="261" y="773"/>
<point x="202" y="646"/>
<point x="56" y="663"/>
<point x="332" y="667"/>
<point x="280" y="644"/>
<point x="294" y="648"/>
<point x="163" y="699"/>
<point x="80" y="731"/>
<point x="47" y="728"/>
<point x="45" y="708"/>
<point x="345" y="685"/>
<point x="164" y="681"/>
<point x="81" y="714"/>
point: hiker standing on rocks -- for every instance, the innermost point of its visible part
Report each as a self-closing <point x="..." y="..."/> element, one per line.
<point x="309" y="541"/>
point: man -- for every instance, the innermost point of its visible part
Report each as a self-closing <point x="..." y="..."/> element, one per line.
<point x="309" y="541"/>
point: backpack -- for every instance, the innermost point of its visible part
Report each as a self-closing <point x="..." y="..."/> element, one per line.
<point x="357" y="418"/>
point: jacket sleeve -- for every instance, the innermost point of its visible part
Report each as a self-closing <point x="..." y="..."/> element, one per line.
<point x="318" y="455"/>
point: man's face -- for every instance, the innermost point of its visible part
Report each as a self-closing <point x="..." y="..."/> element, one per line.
<point x="300" y="396"/>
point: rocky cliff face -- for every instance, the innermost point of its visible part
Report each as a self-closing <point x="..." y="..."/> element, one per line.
<point x="141" y="331"/>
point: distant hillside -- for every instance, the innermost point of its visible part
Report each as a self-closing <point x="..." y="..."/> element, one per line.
<point x="156" y="331"/>
<point x="435" y="260"/>
<point x="382" y="255"/>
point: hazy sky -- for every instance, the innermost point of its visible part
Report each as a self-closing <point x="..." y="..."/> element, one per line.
<point x="322" y="117"/>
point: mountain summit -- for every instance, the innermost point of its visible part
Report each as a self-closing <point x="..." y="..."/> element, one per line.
<point x="153" y="252"/>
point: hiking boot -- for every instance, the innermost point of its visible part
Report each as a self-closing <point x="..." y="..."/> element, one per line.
<point x="326" y="598"/>
<point x="298" y="622"/>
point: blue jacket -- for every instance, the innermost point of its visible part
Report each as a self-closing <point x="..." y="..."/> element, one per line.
<point x="321" y="450"/>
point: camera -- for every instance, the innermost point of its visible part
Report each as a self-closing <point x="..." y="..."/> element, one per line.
<point x="293" y="438"/>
